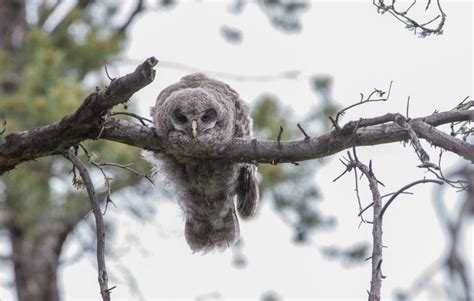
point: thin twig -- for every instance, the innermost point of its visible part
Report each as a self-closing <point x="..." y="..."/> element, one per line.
<point x="408" y="109"/>
<point x="140" y="118"/>
<point x="127" y="167"/>
<point x="405" y="188"/>
<point x="366" y="100"/>
<point x="409" y="22"/>
<point x="99" y="221"/>
<point x="107" y="72"/>
<point x="383" y="196"/>
<point x="458" y="184"/>
<point x="139" y="8"/>
<point x="280" y="132"/>
<point x="100" y="165"/>
<point x="306" y="136"/>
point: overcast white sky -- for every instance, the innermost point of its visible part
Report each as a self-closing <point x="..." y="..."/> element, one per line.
<point x="361" y="50"/>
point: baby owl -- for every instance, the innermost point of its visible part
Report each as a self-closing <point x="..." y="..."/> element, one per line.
<point x="202" y="113"/>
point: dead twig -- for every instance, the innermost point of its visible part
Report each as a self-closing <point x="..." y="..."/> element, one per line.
<point x="363" y="100"/>
<point x="142" y="120"/>
<point x="306" y="136"/>
<point x="352" y="162"/>
<point x="280" y="132"/>
<point x="99" y="221"/>
<point x="411" y="24"/>
<point x="401" y="190"/>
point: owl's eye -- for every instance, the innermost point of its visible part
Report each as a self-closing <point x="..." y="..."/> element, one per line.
<point x="180" y="118"/>
<point x="209" y="115"/>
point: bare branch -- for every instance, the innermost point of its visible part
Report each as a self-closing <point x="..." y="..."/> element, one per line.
<point x="52" y="139"/>
<point x="306" y="136"/>
<point x="443" y="140"/>
<point x="376" y="280"/>
<point x="126" y="167"/>
<point x="91" y="121"/>
<point x="85" y="123"/>
<point x="383" y="196"/>
<point x="142" y="120"/>
<point x="280" y="132"/>
<point x="417" y="27"/>
<point x="99" y="221"/>
<point x="401" y="190"/>
<point x="422" y="154"/>
<point x="132" y="16"/>
<point x="363" y="100"/>
<point x="46" y="10"/>
<point x="71" y="16"/>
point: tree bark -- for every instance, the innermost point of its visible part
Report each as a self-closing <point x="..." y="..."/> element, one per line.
<point x="13" y="25"/>
<point x="35" y="264"/>
<point x="91" y="121"/>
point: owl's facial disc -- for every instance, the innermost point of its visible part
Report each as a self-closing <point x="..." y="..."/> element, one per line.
<point x="194" y="123"/>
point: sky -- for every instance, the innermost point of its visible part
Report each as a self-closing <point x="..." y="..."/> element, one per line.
<point x="361" y="50"/>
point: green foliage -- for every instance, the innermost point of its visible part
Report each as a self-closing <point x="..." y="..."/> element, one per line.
<point x="354" y="254"/>
<point x="49" y="75"/>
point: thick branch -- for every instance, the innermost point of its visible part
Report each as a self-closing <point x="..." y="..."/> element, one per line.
<point x="53" y="139"/>
<point x="443" y="140"/>
<point x="85" y="123"/>
<point x="91" y="121"/>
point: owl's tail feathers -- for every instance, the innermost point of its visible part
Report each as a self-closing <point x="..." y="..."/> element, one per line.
<point x="204" y="235"/>
<point x="247" y="191"/>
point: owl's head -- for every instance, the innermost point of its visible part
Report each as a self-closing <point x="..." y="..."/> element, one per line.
<point x="197" y="111"/>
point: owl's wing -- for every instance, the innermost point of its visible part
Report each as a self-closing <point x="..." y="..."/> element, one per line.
<point x="247" y="186"/>
<point x="243" y="120"/>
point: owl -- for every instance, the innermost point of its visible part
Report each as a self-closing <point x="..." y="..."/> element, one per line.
<point x="200" y="113"/>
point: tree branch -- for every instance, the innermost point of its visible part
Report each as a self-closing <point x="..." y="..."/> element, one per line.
<point x="71" y="16"/>
<point x="443" y="140"/>
<point x="91" y="121"/>
<point x="99" y="222"/>
<point x="135" y="12"/>
<point x="353" y="163"/>
<point x="85" y="123"/>
<point x="410" y="23"/>
<point x="401" y="190"/>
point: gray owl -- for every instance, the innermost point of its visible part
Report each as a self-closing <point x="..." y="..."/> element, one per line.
<point x="199" y="113"/>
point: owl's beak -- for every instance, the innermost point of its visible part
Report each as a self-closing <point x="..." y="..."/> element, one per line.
<point x="194" y="128"/>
